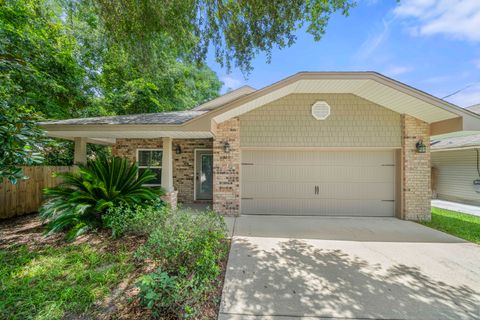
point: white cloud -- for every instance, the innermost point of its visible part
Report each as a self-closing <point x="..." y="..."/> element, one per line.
<point x="370" y="45"/>
<point x="230" y="82"/>
<point x="458" y="19"/>
<point x="476" y="63"/>
<point x="467" y="97"/>
<point x="397" y="70"/>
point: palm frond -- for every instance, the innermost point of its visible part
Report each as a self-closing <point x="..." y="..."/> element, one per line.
<point x="78" y="203"/>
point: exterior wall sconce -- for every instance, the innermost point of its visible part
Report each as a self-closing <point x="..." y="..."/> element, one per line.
<point x="421" y="147"/>
<point x="178" y="149"/>
<point x="226" y="147"/>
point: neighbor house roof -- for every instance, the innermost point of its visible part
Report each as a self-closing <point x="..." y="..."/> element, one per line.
<point x="475" y="108"/>
<point x="178" y="117"/>
<point x="456" y="141"/>
<point x="451" y="143"/>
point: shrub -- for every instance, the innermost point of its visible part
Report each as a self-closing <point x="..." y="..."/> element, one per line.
<point x="188" y="249"/>
<point x="136" y="219"/>
<point x="80" y="201"/>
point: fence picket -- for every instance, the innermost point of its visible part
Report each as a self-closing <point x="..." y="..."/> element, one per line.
<point x="26" y="196"/>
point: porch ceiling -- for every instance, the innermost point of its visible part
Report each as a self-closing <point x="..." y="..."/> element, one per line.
<point x="109" y="135"/>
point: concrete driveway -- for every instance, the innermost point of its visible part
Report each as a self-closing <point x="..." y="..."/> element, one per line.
<point x="348" y="268"/>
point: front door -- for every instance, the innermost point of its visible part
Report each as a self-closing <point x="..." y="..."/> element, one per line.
<point x="204" y="174"/>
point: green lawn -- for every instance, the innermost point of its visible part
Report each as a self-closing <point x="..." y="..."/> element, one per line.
<point x="461" y="225"/>
<point x="51" y="282"/>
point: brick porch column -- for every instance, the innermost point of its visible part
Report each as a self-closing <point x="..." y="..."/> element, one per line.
<point x="416" y="174"/>
<point x="226" y="168"/>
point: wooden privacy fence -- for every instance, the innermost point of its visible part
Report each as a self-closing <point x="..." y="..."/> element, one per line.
<point x="26" y="196"/>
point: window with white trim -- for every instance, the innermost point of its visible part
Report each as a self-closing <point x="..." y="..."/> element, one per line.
<point x="150" y="159"/>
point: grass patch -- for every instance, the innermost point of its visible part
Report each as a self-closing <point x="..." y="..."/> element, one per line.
<point x="461" y="225"/>
<point x="50" y="282"/>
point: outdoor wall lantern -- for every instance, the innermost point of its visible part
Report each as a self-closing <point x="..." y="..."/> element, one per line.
<point x="226" y="147"/>
<point x="421" y="147"/>
<point x="178" y="149"/>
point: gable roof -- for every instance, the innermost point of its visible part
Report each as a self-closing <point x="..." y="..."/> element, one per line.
<point x="226" y="98"/>
<point x="369" y="85"/>
<point x="443" y="116"/>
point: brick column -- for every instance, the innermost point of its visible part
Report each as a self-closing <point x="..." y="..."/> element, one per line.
<point x="416" y="186"/>
<point x="226" y="169"/>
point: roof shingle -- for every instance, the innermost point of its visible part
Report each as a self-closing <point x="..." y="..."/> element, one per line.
<point x="177" y="117"/>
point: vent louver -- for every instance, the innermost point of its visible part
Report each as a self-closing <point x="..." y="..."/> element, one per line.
<point x="320" y="110"/>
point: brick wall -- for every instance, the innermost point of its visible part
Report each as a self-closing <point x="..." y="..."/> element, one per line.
<point x="416" y="173"/>
<point x="128" y="147"/>
<point x="183" y="164"/>
<point x="226" y="168"/>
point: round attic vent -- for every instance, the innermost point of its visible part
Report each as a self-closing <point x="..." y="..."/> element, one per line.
<point x="320" y="110"/>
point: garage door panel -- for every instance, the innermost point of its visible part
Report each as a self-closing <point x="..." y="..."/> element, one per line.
<point x="325" y="207"/>
<point x="276" y="190"/>
<point x="333" y="158"/>
<point x="348" y="183"/>
<point x="318" y="173"/>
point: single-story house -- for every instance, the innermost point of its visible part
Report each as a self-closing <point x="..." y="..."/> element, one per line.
<point x="456" y="166"/>
<point x="315" y="143"/>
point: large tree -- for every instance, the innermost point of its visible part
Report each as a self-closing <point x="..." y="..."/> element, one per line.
<point x="37" y="63"/>
<point x="123" y="82"/>
<point x="236" y="29"/>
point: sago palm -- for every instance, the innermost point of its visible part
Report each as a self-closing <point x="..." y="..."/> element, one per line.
<point x="78" y="203"/>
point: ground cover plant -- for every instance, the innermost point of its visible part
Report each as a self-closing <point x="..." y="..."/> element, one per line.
<point x="188" y="253"/>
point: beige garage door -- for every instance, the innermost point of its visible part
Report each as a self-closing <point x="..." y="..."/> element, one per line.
<point x="330" y="183"/>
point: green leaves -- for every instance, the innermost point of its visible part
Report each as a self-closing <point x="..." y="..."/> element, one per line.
<point x="80" y="201"/>
<point x="189" y="249"/>
<point x="236" y="30"/>
<point x="19" y="138"/>
<point x="37" y="60"/>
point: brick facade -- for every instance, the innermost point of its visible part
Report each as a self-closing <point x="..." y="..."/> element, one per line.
<point x="171" y="198"/>
<point x="415" y="179"/>
<point x="416" y="175"/>
<point x="226" y="168"/>
<point x="183" y="163"/>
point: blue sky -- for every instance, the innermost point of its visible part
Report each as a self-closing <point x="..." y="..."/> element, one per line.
<point x="433" y="45"/>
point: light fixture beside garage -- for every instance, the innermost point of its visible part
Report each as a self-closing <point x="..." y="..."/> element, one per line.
<point x="226" y="147"/>
<point x="421" y="147"/>
<point x="320" y="110"/>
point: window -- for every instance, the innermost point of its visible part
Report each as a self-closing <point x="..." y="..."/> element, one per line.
<point x="151" y="159"/>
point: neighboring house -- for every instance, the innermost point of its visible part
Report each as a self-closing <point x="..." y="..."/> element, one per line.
<point x="456" y="166"/>
<point x="316" y="143"/>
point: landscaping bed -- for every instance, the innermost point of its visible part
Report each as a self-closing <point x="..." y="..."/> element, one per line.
<point x="461" y="225"/>
<point x="93" y="277"/>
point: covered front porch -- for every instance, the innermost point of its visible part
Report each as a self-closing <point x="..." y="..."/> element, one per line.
<point x="184" y="167"/>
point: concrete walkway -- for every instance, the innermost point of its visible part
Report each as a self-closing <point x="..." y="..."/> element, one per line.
<point x="455" y="206"/>
<point x="348" y="268"/>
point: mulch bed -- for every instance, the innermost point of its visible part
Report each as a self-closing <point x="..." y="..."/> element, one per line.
<point x="123" y="302"/>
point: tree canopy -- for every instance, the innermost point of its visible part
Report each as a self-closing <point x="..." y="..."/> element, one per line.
<point x="76" y="58"/>
<point x="56" y="60"/>
<point x="236" y="30"/>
